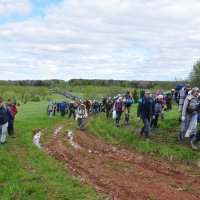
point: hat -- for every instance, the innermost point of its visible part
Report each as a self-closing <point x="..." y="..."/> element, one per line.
<point x="160" y="96"/>
<point x="187" y="86"/>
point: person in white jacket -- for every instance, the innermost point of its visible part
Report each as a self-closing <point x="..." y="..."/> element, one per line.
<point x="189" y="117"/>
<point x="81" y="115"/>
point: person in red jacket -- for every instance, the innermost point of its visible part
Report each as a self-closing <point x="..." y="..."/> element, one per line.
<point x="13" y="110"/>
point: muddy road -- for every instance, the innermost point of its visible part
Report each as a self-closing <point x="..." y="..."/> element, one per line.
<point x="121" y="174"/>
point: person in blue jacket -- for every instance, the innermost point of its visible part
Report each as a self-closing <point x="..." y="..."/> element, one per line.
<point x="5" y="116"/>
<point x="146" y="111"/>
<point x="63" y="108"/>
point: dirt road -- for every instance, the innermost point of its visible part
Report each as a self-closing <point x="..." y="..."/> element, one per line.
<point x="122" y="173"/>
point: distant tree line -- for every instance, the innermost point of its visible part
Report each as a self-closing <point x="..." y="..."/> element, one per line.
<point x="94" y="82"/>
<point x="195" y="74"/>
<point x="39" y="83"/>
<point x="124" y="83"/>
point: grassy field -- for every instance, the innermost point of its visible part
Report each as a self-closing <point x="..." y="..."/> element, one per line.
<point x="26" y="173"/>
<point x="163" y="142"/>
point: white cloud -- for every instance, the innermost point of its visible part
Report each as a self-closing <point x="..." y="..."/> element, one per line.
<point x="19" y="7"/>
<point x="104" y="39"/>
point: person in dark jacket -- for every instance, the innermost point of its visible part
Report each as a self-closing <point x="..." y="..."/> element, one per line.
<point x="13" y="110"/>
<point x="72" y="110"/>
<point x="58" y="107"/>
<point x="109" y="106"/>
<point x="95" y="107"/>
<point x="63" y="108"/>
<point x="146" y="111"/>
<point x="5" y="116"/>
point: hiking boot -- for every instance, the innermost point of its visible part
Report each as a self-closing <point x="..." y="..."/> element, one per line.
<point x="194" y="146"/>
<point x="180" y="138"/>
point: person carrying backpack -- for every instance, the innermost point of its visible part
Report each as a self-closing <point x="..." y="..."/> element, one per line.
<point x="5" y="116"/>
<point x="181" y="96"/>
<point x="81" y="115"/>
<point x="50" y="109"/>
<point x="158" y="111"/>
<point x="72" y="110"/>
<point x="118" y="107"/>
<point x="95" y="107"/>
<point x="146" y="111"/>
<point x="13" y="110"/>
<point x="55" y="108"/>
<point x="128" y="101"/>
<point x="109" y="106"/>
<point x="58" y="107"/>
<point x="168" y="95"/>
<point x="189" y="118"/>
<point x="63" y="108"/>
<point x="88" y="105"/>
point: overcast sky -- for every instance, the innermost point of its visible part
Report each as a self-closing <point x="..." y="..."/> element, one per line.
<point x="103" y="39"/>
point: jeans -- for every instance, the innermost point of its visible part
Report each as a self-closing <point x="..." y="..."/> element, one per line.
<point x="118" y="116"/>
<point x="154" y="122"/>
<point x="81" y="122"/>
<point x="11" y="127"/>
<point x="95" y="110"/>
<point x="189" y="125"/>
<point x="63" y="112"/>
<point x="3" y="129"/>
<point x="146" y="127"/>
<point x="72" y="112"/>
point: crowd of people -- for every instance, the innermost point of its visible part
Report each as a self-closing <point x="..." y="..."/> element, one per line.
<point x="151" y="107"/>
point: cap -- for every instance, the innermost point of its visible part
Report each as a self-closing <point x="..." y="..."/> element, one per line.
<point x="160" y="96"/>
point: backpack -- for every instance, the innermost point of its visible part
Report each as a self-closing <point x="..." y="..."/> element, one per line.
<point x="128" y="102"/>
<point x="177" y="89"/>
<point x="168" y="95"/>
<point x="62" y="106"/>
